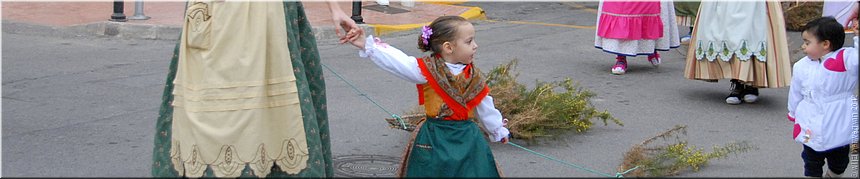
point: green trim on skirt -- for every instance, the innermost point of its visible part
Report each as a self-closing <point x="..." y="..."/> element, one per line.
<point x="311" y="85"/>
<point x="444" y="148"/>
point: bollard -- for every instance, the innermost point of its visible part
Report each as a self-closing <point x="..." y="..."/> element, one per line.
<point x="138" y="11"/>
<point x="407" y="3"/>
<point x="118" y="15"/>
<point x="382" y="2"/>
<point x="356" y="12"/>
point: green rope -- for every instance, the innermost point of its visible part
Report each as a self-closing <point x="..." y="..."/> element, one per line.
<point x="361" y="93"/>
<point x="617" y="174"/>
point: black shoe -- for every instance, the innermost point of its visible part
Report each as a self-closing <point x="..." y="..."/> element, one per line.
<point x="737" y="92"/>
<point x="750" y="94"/>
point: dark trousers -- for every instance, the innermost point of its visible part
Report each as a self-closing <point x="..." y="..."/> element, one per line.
<point x="813" y="161"/>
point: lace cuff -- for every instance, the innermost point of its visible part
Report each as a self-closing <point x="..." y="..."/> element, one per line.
<point x="371" y="45"/>
<point x="500" y="133"/>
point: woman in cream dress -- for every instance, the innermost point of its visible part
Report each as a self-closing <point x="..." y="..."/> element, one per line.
<point x="245" y="94"/>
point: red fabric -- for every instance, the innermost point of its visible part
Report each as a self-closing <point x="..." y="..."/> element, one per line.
<point x="796" y="131"/>
<point x="790" y="118"/>
<point x="837" y="64"/>
<point x="420" y="94"/>
<point x="467" y="71"/>
<point x="460" y="112"/>
<point x="477" y="100"/>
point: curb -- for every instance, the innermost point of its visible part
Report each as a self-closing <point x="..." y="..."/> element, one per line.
<point x="446" y="2"/>
<point x="131" y="30"/>
<point x="474" y="13"/>
<point x="162" y="32"/>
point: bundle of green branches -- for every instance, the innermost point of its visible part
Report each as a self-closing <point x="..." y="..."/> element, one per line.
<point x="798" y="13"/>
<point x="673" y="158"/>
<point x="544" y="110"/>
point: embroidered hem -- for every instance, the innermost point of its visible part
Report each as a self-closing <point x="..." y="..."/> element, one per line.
<point x="721" y="50"/>
<point x="229" y="164"/>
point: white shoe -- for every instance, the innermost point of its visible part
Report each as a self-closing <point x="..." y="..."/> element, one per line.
<point x="685" y="39"/>
<point x="618" y="70"/>
<point x="733" y="100"/>
<point x="750" y="98"/>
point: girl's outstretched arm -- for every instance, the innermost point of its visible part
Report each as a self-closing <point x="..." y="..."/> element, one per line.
<point x="391" y="59"/>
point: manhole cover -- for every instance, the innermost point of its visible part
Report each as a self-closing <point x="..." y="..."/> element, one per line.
<point x="365" y="166"/>
<point x="385" y="9"/>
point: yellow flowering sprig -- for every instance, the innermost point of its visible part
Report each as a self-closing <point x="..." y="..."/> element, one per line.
<point x="674" y="158"/>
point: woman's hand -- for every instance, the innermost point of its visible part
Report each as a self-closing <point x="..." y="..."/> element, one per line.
<point x="344" y="27"/>
<point x="856" y="26"/>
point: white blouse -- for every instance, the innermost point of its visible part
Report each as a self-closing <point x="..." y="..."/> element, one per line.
<point x="395" y="62"/>
<point x="821" y="100"/>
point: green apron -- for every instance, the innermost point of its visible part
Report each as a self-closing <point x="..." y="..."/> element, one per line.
<point x="446" y="148"/>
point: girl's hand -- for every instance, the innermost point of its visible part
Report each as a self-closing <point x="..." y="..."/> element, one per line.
<point x="356" y="37"/>
<point x="505" y="125"/>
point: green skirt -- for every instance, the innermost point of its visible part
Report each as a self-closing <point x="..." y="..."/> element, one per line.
<point x="444" y="148"/>
<point x="311" y="87"/>
<point x="686" y="11"/>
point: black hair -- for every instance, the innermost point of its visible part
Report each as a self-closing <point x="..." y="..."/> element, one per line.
<point x="827" y="28"/>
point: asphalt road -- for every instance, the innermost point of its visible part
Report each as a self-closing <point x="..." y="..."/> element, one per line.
<point x="76" y="106"/>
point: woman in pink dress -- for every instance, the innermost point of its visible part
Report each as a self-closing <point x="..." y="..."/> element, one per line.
<point x="636" y="28"/>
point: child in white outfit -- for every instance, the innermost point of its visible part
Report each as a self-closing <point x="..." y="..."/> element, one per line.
<point x="820" y="100"/>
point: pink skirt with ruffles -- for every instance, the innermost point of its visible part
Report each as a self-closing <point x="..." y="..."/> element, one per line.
<point x="630" y="20"/>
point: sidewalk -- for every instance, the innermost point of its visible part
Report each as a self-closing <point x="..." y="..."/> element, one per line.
<point x="166" y="18"/>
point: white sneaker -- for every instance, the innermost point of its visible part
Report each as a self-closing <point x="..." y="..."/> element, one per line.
<point x="685" y="39"/>
<point x="733" y="100"/>
<point x="750" y="98"/>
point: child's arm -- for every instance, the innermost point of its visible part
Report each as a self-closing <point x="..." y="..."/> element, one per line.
<point x="794" y="90"/>
<point x="389" y="58"/>
<point x="492" y="120"/>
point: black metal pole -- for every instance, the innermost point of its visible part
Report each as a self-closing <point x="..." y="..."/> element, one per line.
<point x="356" y="12"/>
<point x="118" y="15"/>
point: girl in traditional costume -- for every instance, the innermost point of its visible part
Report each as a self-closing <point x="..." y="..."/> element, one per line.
<point x="636" y="28"/>
<point x="245" y="94"/>
<point x="453" y="92"/>
<point x="743" y="41"/>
